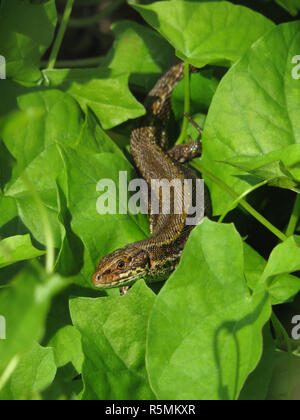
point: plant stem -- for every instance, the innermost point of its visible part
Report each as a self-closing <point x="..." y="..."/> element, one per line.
<point x="243" y="195"/>
<point x="89" y="21"/>
<point x="80" y="63"/>
<point x="187" y="103"/>
<point x="60" y="34"/>
<point x="242" y="202"/>
<point x="294" y="217"/>
<point x="9" y="370"/>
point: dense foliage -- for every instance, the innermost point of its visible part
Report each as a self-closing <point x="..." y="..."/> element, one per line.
<point x="220" y="327"/>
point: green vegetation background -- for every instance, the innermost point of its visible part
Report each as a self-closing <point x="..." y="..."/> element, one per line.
<point x="76" y="76"/>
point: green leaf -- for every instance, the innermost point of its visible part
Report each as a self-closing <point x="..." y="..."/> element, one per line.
<point x="139" y="51"/>
<point x="41" y="163"/>
<point x="13" y="123"/>
<point x="9" y="91"/>
<point x="285" y="383"/>
<point x="8" y="209"/>
<point x="257" y="385"/>
<point x="255" y="110"/>
<point x="59" y="318"/>
<point x="60" y="390"/>
<point x="205" y="311"/>
<point x="69" y="357"/>
<point x="24" y="305"/>
<point x="23" y="43"/>
<point x="114" y="344"/>
<point x="282" y="173"/>
<point x="284" y="259"/>
<point x="282" y="287"/>
<point x="206" y="33"/>
<point x="67" y="348"/>
<point x="17" y="248"/>
<point x="104" y="91"/>
<point x="35" y="371"/>
<point x="254" y="266"/>
<point x="292" y="6"/>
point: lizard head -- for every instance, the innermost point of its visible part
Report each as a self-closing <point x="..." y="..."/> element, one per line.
<point x="121" y="268"/>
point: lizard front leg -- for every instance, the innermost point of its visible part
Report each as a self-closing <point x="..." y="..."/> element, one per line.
<point x="186" y="152"/>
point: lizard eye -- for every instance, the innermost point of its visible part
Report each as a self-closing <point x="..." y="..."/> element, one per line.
<point x="121" y="264"/>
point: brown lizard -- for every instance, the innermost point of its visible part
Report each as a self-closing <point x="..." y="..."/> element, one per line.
<point x="156" y="257"/>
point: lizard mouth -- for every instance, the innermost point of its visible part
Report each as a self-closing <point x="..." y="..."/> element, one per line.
<point x="111" y="280"/>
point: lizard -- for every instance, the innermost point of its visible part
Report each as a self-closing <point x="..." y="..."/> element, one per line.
<point x="156" y="257"/>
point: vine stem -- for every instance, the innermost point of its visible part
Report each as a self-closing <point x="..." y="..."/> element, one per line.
<point x="79" y="63"/>
<point x="187" y="103"/>
<point x="60" y="34"/>
<point x="243" y="195"/>
<point x="242" y="202"/>
<point x="294" y="217"/>
<point x="9" y="371"/>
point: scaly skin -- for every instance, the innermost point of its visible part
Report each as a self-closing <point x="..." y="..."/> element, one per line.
<point x="156" y="257"/>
